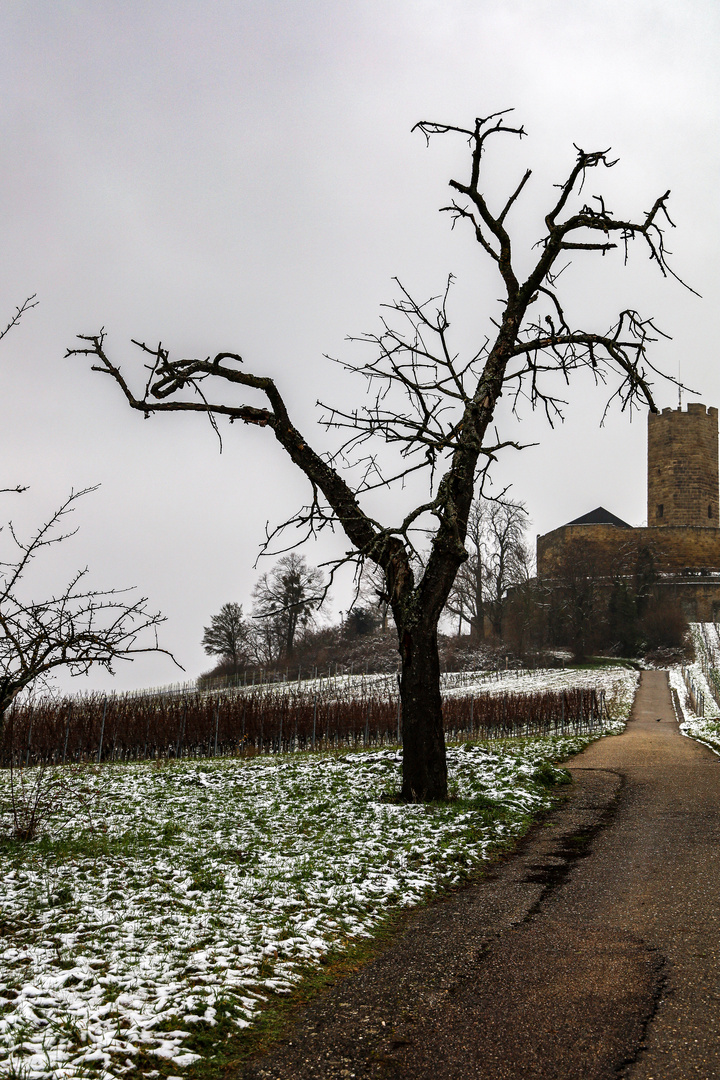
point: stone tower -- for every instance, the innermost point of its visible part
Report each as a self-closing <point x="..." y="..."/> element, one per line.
<point x="683" y="467"/>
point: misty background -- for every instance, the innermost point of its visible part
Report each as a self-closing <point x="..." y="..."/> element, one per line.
<point x="242" y="177"/>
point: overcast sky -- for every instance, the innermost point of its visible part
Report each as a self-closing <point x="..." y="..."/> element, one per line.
<point x="242" y="176"/>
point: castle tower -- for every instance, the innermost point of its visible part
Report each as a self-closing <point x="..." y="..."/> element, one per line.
<point x="683" y="467"/>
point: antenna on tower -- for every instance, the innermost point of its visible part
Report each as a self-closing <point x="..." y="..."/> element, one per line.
<point x="679" y="388"/>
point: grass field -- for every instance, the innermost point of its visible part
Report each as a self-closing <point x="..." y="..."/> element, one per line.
<point x="162" y="903"/>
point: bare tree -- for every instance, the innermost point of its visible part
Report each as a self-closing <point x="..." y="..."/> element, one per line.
<point x="75" y="628"/>
<point x="498" y="559"/>
<point x="227" y="635"/>
<point x="506" y="558"/>
<point x="435" y="405"/>
<point x="264" y="642"/>
<point x="465" y="600"/>
<point x="287" y="598"/>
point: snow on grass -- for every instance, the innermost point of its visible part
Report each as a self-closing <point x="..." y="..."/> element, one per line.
<point x="526" y="681"/>
<point x="454" y="683"/>
<point x="705" y="729"/>
<point x="212" y="885"/>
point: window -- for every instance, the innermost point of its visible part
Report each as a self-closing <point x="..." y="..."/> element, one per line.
<point x="709" y="510"/>
<point x="660" y="509"/>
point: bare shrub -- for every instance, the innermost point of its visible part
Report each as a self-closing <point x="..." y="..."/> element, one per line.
<point x="41" y="796"/>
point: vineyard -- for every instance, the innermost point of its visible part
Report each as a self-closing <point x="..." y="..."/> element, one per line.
<point x="271" y="719"/>
<point x="165" y="901"/>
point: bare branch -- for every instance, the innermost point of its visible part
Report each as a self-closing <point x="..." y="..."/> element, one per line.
<point x="514" y="195"/>
<point x="26" y="305"/>
<point x="76" y="627"/>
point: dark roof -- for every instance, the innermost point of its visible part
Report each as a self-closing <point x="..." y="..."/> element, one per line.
<point x="600" y="516"/>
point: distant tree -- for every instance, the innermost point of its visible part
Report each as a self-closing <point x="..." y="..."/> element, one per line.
<point x="465" y="600"/>
<point x="498" y="559"/>
<point x="265" y="641"/>
<point x="435" y="401"/>
<point x="227" y="635"/>
<point x="507" y="560"/>
<point x="360" y="622"/>
<point x="372" y="592"/>
<point x="287" y="598"/>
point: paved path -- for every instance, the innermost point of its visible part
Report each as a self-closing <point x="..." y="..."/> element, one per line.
<point x="591" y="953"/>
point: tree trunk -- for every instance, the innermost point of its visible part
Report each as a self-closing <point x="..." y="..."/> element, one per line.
<point x="424" y="761"/>
<point x="477" y="626"/>
<point x="290" y="637"/>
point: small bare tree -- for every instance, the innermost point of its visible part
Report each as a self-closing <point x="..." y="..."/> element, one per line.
<point x="466" y="598"/>
<point x="435" y="405"/>
<point x="75" y="628"/>
<point x="372" y="593"/>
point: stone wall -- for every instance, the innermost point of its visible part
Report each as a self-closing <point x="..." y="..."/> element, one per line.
<point x="687" y="561"/>
<point x="683" y="467"/>
<point x="700" y="599"/>
<point x="674" y="550"/>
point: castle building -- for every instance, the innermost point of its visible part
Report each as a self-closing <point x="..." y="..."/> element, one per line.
<point x="682" y="486"/>
<point x="681" y="542"/>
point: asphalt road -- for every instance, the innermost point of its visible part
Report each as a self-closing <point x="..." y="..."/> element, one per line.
<point x="590" y="953"/>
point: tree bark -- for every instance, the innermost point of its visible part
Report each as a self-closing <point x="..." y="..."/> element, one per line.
<point x="424" y="762"/>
